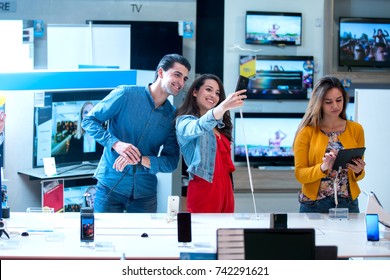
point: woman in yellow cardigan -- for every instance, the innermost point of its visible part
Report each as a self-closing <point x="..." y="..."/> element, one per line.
<point x="323" y="131"/>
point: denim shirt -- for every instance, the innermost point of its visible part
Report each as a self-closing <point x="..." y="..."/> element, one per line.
<point x="198" y="144"/>
<point x="133" y="118"/>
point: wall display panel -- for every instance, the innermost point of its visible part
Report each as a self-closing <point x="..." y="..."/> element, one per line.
<point x="372" y="112"/>
<point x="17" y="45"/>
<point x="72" y="45"/>
<point x="150" y="41"/>
<point x="278" y="77"/>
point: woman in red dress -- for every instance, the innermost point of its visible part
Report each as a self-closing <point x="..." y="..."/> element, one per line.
<point x="204" y="133"/>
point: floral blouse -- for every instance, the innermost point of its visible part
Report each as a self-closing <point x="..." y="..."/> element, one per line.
<point x="327" y="183"/>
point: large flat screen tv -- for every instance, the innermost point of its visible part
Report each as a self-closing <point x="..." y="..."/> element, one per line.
<point x="57" y="116"/>
<point x="278" y="77"/>
<point x="268" y="136"/>
<point x="364" y="42"/>
<point x="273" y="28"/>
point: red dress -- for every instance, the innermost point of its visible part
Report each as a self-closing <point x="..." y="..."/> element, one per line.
<point x="218" y="196"/>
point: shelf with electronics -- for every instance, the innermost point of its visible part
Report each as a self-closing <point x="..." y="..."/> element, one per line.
<point x="72" y="188"/>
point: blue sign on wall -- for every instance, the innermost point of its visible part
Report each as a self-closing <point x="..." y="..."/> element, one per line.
<point x="42" y="80"/>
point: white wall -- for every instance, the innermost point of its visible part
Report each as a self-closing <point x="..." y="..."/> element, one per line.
<point x="15" y="55"/>
<point x="78" y="11"/>
<point x="372" y="111"/>
<point x="18" y="150"/>
<point x="71" y="45"/>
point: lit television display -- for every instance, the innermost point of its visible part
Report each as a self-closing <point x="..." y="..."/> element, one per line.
<point x="278" y="77"/>
<point x="273" y="28"/>
<point x="364" y="42"/>
<point x="57" y="130"/>
<point x="268" y="136"/>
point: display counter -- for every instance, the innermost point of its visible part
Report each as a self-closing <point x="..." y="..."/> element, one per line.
<point x="120" y="235"/>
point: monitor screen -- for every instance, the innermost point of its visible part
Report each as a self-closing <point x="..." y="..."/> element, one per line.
<point x="57" y="130"/>
<point x="278" y="77"/>
<point x="268" y="137"/>
<point x="279" y="244"/>
<point x="273" y="28"/>
<point x="79" y="193"/>
<point x="364" y="42"/>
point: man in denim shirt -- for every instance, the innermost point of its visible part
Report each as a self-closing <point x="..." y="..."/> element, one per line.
<point x="141" y="120"/>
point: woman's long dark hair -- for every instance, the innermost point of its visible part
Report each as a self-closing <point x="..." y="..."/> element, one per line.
<point x="190" y="107"/>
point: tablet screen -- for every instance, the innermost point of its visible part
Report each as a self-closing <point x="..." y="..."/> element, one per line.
<point x="346" y="156"/>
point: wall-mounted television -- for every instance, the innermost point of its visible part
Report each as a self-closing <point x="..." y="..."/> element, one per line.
<point x="278" y="77"/>
<point x="269" y="138"/>
<point x="57" y="117"/>
<point x="273" y="28"/>
<point x="364" y="42"/>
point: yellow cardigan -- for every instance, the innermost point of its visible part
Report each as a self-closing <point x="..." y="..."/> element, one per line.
<point x="309" y="149"/>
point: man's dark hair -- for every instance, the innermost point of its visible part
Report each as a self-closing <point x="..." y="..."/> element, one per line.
<point x="168" y="60"/>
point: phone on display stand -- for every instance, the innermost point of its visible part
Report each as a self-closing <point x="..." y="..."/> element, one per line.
<point x="184" y="227"/>
<point x="87" y="226"/>
<point x="242" y="83"/>
<point x="372" y="226"/>
<point x="278" y="220"/>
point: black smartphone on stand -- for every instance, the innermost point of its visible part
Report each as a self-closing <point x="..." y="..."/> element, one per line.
<point x="87" y="225"/>
<point x="372" y="226"/>
<point x="242" y="83"/>
<point x="184" y="227"/>
<point x="278" y="220"/>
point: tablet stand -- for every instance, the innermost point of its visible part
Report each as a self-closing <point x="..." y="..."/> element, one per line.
<point x="337" y="213"/>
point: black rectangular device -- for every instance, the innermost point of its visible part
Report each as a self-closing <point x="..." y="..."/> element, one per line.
<point x="278" y="220"/>
<point x="87" y="225"/>
<point x="184" y="227"/>
<point x="279" y="244"/>
<point x="242" y="83"/>
<point x="346" y="156"/>
<point x="372" y="227"/>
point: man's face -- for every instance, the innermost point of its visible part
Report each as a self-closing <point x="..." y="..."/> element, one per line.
<point x="174" y="79"/>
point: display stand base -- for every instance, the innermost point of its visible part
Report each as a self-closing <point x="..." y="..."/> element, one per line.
<point x="338" y="213"/>
<point x="2" y="229"/>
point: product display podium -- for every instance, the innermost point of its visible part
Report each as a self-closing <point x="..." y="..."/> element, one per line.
<point x="69" y="176"/>
<point x="57" y="235"/>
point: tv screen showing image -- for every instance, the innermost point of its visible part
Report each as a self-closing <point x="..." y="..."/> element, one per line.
<point x="57" y="129"/>
<point x="268" y="136"/>
<point x="78" y="197"/>
<point x="278" y="77"/>
<point x="364" y="42"/>
<point x="273" y="28"/>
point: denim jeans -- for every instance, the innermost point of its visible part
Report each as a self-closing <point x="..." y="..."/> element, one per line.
<point x="112" y="202"/>
<point x="323" y="205"/>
